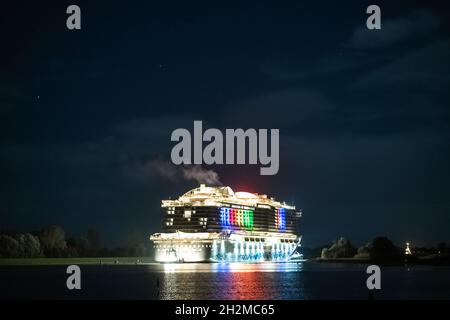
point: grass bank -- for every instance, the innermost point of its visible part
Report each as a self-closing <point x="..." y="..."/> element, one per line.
<point x="77" y="261"/>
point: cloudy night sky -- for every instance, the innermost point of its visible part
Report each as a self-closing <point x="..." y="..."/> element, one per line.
<point x="364" y="116"/>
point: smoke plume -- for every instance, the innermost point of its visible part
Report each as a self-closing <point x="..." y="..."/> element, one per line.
<point x="168" y="171"/>
<point x="201" y="175"/>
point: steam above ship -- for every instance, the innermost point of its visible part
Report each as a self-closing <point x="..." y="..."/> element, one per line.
<point x="217" y="224"/>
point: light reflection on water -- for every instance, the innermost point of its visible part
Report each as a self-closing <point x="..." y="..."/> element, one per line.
<point x="231" y="281"/>
<point x="232" y="267"/>
<point x="306" y="280"/>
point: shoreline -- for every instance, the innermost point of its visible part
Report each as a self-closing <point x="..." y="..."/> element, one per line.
<point x="412" y="261"/>
<point x="4" y="262"/>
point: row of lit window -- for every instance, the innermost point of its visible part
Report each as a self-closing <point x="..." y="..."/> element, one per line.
<point x="287" y="241"/>
<point x="185" y="246"/>
<point x="263" y="240"/>
<point x="255" y="239"/>
<point x="169" y="251"/>
<point x="203" y="221"/>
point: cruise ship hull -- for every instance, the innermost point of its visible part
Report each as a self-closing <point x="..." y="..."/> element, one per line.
<point x="182" y="247"/>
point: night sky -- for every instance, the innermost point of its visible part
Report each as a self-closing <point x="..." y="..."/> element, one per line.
<point x="364" y="116"/>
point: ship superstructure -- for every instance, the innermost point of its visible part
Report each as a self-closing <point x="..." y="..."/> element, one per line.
<point x="218" y="224"/>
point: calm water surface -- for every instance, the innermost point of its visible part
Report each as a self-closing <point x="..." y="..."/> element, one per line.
<point x="306" y="280"/>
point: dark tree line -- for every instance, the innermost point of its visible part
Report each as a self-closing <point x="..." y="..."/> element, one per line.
<point x="51" y="242"/>
<point x="380" y="248"/>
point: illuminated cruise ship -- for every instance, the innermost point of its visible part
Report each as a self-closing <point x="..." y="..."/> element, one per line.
<point x="214" y="224"/>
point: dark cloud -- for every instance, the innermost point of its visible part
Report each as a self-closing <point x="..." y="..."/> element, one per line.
<point x="330" y="64"/>
<point x="9" y="95"/>
<point x="427" y="68"/>
<point x="275" y="109"/>
<point x="354" y="54"/>
<point x="395" y="30"/>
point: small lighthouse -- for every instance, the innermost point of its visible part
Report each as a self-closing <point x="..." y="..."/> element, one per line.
<point x="407" y="250"/>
